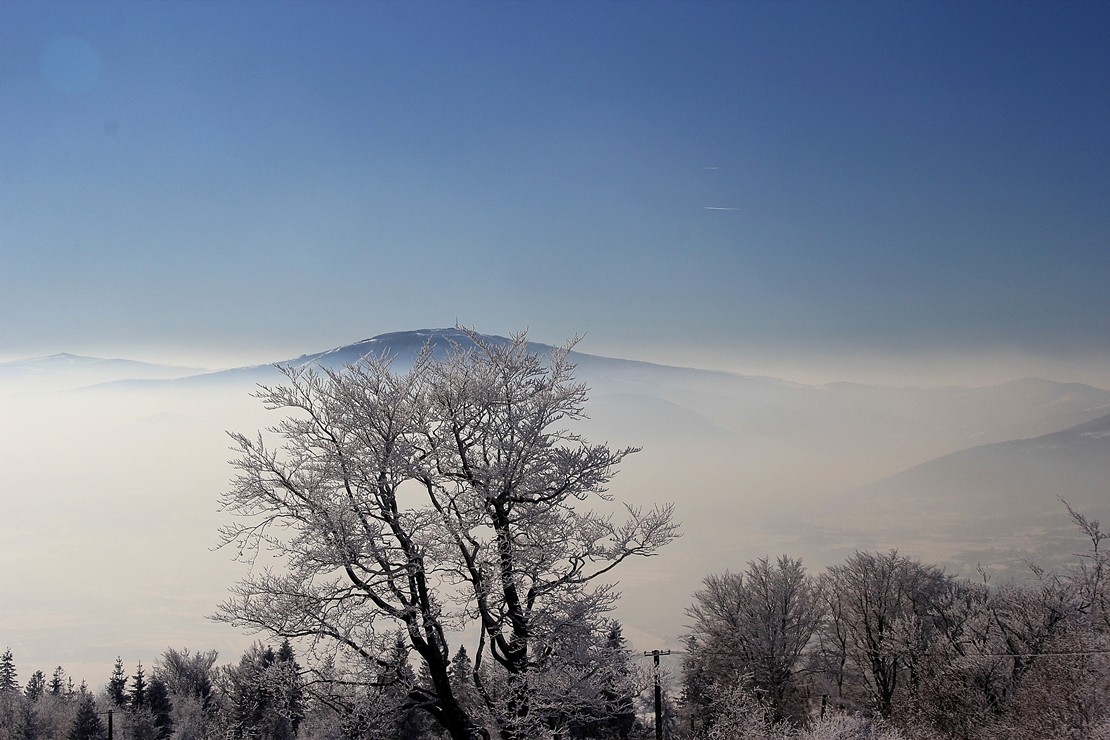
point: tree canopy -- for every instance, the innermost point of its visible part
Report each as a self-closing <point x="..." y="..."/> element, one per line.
<point x="446" y="499"/>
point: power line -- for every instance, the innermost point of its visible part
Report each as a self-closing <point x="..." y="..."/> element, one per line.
<point x="658" y="692"/>
<point x="1030" y="655"/>
<point x="1063" y="653"/>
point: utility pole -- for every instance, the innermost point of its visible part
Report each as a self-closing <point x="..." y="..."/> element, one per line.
<point x="109" y="713"/>
<point x="658" y="692"/>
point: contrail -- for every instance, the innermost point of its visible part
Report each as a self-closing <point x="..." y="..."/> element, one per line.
<point x="719" y="208"/>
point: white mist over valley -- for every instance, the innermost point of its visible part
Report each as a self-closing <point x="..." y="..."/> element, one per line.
<point x="114" y="470"/>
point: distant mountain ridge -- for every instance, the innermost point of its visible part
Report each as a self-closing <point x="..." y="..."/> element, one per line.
<point x="999" y="476"/>
<point x="404" y="346"/>
<point x="990" y="504"/>
<point x="634" y="395"/>
<point x="64" y="370"/>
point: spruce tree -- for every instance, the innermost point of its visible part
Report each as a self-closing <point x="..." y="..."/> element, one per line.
<point x="285" y="652"/>
<point x="117" y="684"/>
<point x="87" y="724"/>
<point x="250" y="699"/>
<point x="58" y="682"/>
<point x="36" y="687"/>
<point x="266" y="694"/>
<point x="397" y="681"/>
<point x="7" y="672"/>
<point x="138" y="688"/>
<point x="461" y="672"/>
<point x="618" y="692"/>
<point x="158" y="701"/>
<point x="293" y="694"/>
<point x="140" y="725"/>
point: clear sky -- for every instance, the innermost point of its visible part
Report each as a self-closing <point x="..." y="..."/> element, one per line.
<point x="252" y="181"/>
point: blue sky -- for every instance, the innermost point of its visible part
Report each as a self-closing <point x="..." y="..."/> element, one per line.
<point x="678" y="180"/>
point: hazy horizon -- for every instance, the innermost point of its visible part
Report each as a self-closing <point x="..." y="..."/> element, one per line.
<point x="922" y="369"/>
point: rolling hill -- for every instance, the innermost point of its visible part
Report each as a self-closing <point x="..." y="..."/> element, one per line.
<point x="989" y="502"/>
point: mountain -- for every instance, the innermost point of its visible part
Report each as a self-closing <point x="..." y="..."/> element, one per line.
<point x="857" y="425"/>
<point x="403" y="346"/>
<point x="991" y="500"/>
<point x="1003" y="476"/>
<point x="64" y="371"/>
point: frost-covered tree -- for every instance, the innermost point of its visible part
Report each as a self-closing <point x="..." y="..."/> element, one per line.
<point x="8" y="680"/>
<point x="11" y="703"/>
<point x="447" y="497"/>
<point x="28" y="726"/>
<point x="608" y="710"/>
<point x="1054" y="648"/>
<point x="374" y="703"/>
<point x="864" y="645"/>
<point x="287" y="678"/>
<point x="55" y="715"/>
<point x="1091" y="576"/>
<point x="265" y="695"/>
<point x="139" y="724"/>
<point x="190" y="680"/>
<point x="247" y="691"/>
<point x="753" y="628"/>
<point x="461" y="673"/>
<point x="189" y="674"/>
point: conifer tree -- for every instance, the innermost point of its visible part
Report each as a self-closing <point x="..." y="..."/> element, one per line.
<point x="117" y="684"/>
<point x="138" y="688"/>
<point x="158" y="701"/>
<point x="614" y="716"/>
<point x="285" y="652"/>
<point x="36" y="687"/>
<point x="250" y="695"/>
<point x="292" y="699"/>
<point x="58" y="682"/>
<point x="140" y="725"/>
<point x="462" y="678"/>
<point x="7" y="672"/>
<point x="87" y="724"/>
<point x="396" y="681"/>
